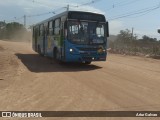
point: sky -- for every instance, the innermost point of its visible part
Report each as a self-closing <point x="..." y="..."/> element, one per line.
<point x="141" y="15"/>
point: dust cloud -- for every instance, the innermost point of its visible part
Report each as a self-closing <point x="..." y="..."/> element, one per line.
<point x="21" y="36"/>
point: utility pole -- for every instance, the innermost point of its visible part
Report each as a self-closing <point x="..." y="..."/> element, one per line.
<point x="133" y="42"/>
<point x="132" y="33"/>
<point x="68" y="7"/>
<point x="25" y="21"/>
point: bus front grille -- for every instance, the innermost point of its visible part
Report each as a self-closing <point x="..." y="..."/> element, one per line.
<point x="87" y="58"/>
<point x="88" y="49"/>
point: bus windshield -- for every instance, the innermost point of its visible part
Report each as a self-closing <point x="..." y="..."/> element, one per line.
<point x="86" y="32"/>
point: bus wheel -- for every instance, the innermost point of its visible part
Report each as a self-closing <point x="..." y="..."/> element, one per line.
<point x="56" y="57"/>
<point x="39" y="51"/>
<point x="55" y="54"/>
<point x="87" y="62"/>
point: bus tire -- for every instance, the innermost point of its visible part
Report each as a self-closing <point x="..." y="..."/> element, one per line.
<point x="55" y="54"/>
<point x="39" y="50"/>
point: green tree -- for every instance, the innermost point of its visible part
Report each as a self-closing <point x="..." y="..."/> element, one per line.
<point x="2" y="29"/>
<point x="125" y="42"/>
<point x="124" y="36"/>
<point x="145" y="38"/>
<point x="14" y="29"/>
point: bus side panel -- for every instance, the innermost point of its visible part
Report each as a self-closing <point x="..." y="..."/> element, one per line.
<point x="49" y="45"/>
<point x="33" y="39"/>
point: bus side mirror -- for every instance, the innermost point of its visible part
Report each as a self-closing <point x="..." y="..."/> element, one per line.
<point x="107" y="29"/>
<point x="159" y="31"/>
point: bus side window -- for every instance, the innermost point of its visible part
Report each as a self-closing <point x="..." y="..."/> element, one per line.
<point x="33" y="35"/>
<point x="47" y="29"/>
<point x="50" y="28"/>
<point x="57" y="27"/>
<point x="39" y="31"/>
<point x="42" y="30"/>
<point x="53" y="27"/>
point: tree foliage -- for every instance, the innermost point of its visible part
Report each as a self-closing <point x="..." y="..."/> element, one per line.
<point x="11" y="30"/>
<point x="145" y="38"/>
<point x="127" y="43"/>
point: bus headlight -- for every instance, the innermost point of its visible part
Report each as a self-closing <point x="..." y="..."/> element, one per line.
<point x="71" y="50"/>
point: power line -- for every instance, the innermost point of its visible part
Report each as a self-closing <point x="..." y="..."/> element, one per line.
<point x="65" y="4"/>
<point x="15" y="19"/>
<point x="88" y="3"/>
<point x="51" y="12"/>
<point x="126" y="2"/>
<point x="137" y="12"/>
<point x="142" y="14"/>
<point x="123" y="3"/>
<point x="54" y="12"/>
<point x="36" y="15"/>
<point x="71" y="5"/>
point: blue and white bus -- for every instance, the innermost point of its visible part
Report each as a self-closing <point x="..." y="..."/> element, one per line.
<point x="72" y="36"/>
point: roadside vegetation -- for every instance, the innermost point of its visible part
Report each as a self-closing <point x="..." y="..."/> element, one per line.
<point x="127" y="44"/>
<point x="14" y="31"/>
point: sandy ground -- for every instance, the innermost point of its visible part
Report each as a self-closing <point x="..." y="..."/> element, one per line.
<point x="31" y="82"/>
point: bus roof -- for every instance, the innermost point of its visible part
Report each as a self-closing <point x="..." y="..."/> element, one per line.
<point x="64" y="13"/>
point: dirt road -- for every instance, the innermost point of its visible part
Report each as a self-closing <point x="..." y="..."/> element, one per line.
<point x="31" y="82"/>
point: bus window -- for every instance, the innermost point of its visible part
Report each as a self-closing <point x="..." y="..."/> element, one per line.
<point x="33" y="35"/>
<point x="53" y="27"/>
<point x="57" y="27"/>
<point x="77" y="32"/>
<point x="41" y="30"/>
<point x="100" y="30"/>
<point x="74" y="29"/>
<point x="63" y="18"/>
<point x="86" y="32"/>
<point x="50" y="28"/>
<point x="45" y="30"/>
